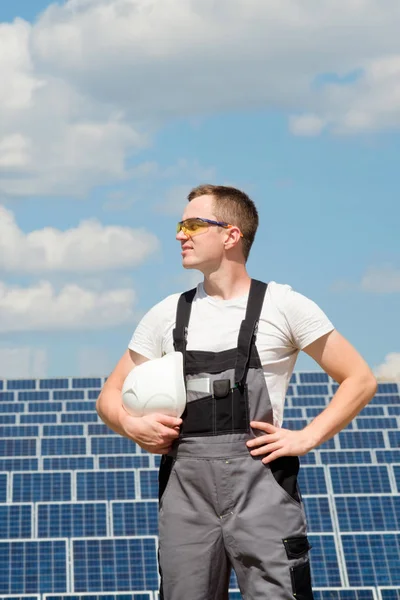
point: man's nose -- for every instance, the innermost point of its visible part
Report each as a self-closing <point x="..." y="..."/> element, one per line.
<point x="181" y="236"/>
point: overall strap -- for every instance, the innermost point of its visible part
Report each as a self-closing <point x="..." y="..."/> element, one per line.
<point x="182" y="321"/>
<point x="248" y="329"/>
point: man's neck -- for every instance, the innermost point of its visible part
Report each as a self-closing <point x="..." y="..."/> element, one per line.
<point x="226" y="286"/>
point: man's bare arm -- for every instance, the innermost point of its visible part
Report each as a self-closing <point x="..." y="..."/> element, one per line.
<point x="357" y="386"/>
<point x="154" y="433"/>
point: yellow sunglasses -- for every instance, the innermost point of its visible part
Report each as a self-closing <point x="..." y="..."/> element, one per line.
<point x="195" y="225"/>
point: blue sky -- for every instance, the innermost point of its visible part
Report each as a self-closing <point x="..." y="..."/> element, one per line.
<point x="115" y="132"/>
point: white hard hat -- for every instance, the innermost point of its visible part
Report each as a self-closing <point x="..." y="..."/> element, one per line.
<point x="156" y="386"/>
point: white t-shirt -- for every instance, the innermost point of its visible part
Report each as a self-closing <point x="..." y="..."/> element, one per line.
<point x="289" y="322"/>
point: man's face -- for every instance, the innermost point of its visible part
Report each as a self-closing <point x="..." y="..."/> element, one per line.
<point x="203" y="251"/>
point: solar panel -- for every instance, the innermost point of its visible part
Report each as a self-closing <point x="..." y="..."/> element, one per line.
<point x="100" y="429"/>
<point x="394" y="438"/>
<point x="388" y="456"/>
<point x="372" y="411"/>
<point x="62" y="430"/>
<point x="115" y="564"/>
<point x="21" y="384"/>
<point x="11" y="407"/>
<point x="35" y="407"/>
<point x="342" y="457"/>
<point x="361" y="439"/>
<point x="19" y="464"/>
<point x="389" y="593"/>
<point x="6" y="396"/>
<point x="387" y="388"/>
<point x="86" y="382"/>
<point x="93" y="394"/>
<point x="376" y="423"/>
<point x="344" y="594"/>
<point x="148" y="483"/>
<point x="310" y="401"/>
<point x="81" y="406"/>
<point x="393" y="410"/>
<point x="293" y="413"/>
<point x="116" y="596"/>
<point x="372" y="559"/>
<point x="63" y="446"/>
<point x="105" y="485"/>
<point x="308" y="459"/>
<point x="386" y="399"/>
<point x="33" y="396"/>
<point x="15" y="431"/>
<point x="72" y="520"/>
<point x="39" y="418"/>
<point x="68" y="463"/>
<point x="324" y="562"/>
<point x="41" y="487"/>
<point x="314" y="377"/>
<point x="312" y="480"/>
<point x="33" y="567"/>
<point x="8" y="419"/>
<point x="368" y="513"/>
<point x="3" y="487"/>
<point x="54" y="384"/>
<point x="79" y="417"/>
<point x="135" y="518"/>
<point x="15" y="521"/>
<point x="360" y="479"/>
<point x="396" y="469"/>
<point x="318" y="514"/>
<point x="121" y="461"/>
<point x="113" y="445"/>
<point x="18" y="447"/>
<point x="294" y="424"/>
<point x="69" y="395"/>
<point x="312" y="390"/>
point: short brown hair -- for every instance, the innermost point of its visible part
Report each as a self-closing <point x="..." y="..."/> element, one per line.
<point x="234" y="207"/>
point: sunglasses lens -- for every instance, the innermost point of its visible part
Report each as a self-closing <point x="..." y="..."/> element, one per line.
<point x="192" y="227"/>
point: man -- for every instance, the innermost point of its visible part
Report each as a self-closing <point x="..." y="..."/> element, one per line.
<point x="228" y="480"/>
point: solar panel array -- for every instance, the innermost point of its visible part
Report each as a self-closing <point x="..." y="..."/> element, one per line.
<point x="78" y="504"/>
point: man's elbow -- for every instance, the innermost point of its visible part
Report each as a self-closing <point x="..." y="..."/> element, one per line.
<point x="369" y="385"/>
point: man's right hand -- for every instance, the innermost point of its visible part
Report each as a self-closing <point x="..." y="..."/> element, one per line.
<point x="154" y="433"/>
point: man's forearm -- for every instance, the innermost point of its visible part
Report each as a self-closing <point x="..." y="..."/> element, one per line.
<point x="109" y="407"/>
<point x="351" y="397"/>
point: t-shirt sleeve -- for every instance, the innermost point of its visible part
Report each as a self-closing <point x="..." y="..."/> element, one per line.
<point x="147" y="338"/>
<point x="306" y="321"/>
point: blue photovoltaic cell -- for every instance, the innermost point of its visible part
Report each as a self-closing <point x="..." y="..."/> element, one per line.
<point x="1" y="384"/>
<point x="390" y="594"/>
<point x="120" y="596"/>
<point x="324" y="563"/>
<point x="148" y="483"/>
<point x="293" y="378"/>
<point x="93" y="394"/>
<point x="312" y="390"/>
<point x="54" y="384"/>
<point x="372" y="411"/>
<point x="79" y="417"/>
<point x="19" y="464"/>
<point x="15" y="447"/>
<point x="105" y="485"/>
<point x="11" y="407"/>
<point x="372" y="560"/>
<point x="376" y="423"/>
<point x="388" y="456"/>
<point x="86" y="382"/>
<point x="21" y="384"/>
<point x="135" y="518"/>
<point x="7" y="419"/>
<point x="342" y="457"/>
<point x="344" y="594"/>
<point x="396" y="469"/>
<point x="68" y="395"/>
<point x="386" y="399"/>
<point x="294" y="424"/>
<point x="35" y="407"/>
<point x="394" y="410"/>
<point x="310" y="401"/>
<point x="113" y="445"/>
<point x="33" y="567"/>
<point x="100" y="429"/>
<point x="360" y="479"/>
<point x="318" y="514"/>
<point x="235" y="595"/>
<point x="157" y="460"/>
<point x="361" y="439"/>
<point x="15" y="521"/>
<point x="62" y="430"/>
<point x="67" y="446"/>
<point x="115" y="565"/>
<point x="289" y="391"/>
<point x="6" y="396"/>
<point x="33" y="396"/>
<point x="18" y="431"/>
<point x="387" y="388"/>
<point x="314" y="378"/>
<point x="41" y="487"/>
<point x="39" y="418"/>
<point x="293" y="413"/>
<point x="312" y="480"/>
<point x="3" y="487"/>
<point x="308" y="459"/>
<point x="394" y="439"/>
<point x="233" y="584"/>
<point x="81" y="406"/>
<point x="368" y="513"/>
<point x="68" y="463"/>
<point x="24" y="597"/>
<point x="121" y="461"/>
<point x="72" y="520"/>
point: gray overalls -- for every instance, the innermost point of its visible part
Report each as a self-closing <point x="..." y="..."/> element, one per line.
<point x="219" y="506"/>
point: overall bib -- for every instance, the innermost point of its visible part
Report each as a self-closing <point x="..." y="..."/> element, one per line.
<point x="219" y="506"/>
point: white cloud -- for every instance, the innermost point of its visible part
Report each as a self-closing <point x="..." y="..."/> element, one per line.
<point x="389" y="370"/>
<point x="42" y="308"/>
<point x="17" y="362"/>
<point x="90" y="81"/>
<point x="89" y="247"/>
<point x="376" y="280"/>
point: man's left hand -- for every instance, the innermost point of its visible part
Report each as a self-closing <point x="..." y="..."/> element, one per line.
<point x="278" y="442"/>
